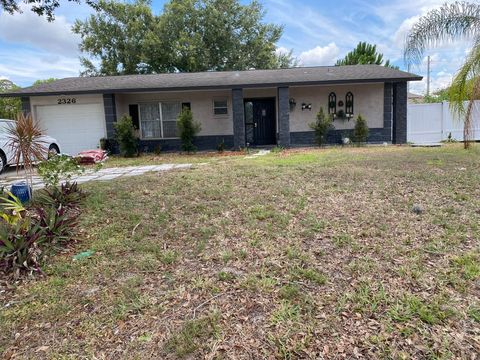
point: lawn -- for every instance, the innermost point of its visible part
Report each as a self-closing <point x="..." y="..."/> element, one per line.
<point x="297" y="254"/>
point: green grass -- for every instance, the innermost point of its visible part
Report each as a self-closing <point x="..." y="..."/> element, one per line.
<point x="301" y="253"/>
<point x="192" y="336"/>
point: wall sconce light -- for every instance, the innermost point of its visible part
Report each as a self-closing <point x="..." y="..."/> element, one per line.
<point x="292" y="103"/>
<point x="306" y="106"/>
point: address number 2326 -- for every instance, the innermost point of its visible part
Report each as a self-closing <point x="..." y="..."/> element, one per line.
<point x="66" y="101"/>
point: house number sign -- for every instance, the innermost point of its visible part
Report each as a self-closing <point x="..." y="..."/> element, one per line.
<point x="66" y="101"/>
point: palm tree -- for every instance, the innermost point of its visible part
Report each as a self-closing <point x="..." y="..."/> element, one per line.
<point x="460" y="20"/>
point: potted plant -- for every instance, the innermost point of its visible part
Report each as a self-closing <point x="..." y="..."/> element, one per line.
<point x="25" y="139"/>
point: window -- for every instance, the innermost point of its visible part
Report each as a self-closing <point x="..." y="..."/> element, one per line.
<point x="349" y="103"/>
<point x="170" y="112"/>
<point x="159" y="120"/>
<point x="150" y="121"/>
<point x="332" y="103"/>
<point x="220" y="107"/>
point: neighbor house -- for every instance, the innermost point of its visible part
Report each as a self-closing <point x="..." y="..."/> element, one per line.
<point x="238" y="108"/>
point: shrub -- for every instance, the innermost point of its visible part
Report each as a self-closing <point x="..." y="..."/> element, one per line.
<point x="187" y="129"/>
<point x="105" y="144"/>
<point x="360" y="132"/>
<point x="12" y="209"/>
<point x="125" y="136"/>
<point x="58" y="167"/>
<point x="221" y="146"/>
<point x="19" y="246"/>
<point x="25" y="141"/>
<point x="321" y="127"/>
<point x="55" y="224"/>
<point x="68" y="195"/>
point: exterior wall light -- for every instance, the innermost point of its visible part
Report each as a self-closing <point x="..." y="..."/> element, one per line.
<point x="292" y="103"/>
<point x="306" y="106"/>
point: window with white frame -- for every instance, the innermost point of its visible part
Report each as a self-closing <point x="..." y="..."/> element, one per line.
<point x="170" y="112"/>
<point x="159" y="120"/>
<point x="220" y="106"/>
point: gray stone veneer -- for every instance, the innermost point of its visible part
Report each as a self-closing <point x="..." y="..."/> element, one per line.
<point x="110" y="114"/>
<point x="375" y="135"/>
<point x="388" y="109"/>
<point x="201" y="142"/>
<point x="399" y="113"/>
<point x="283" y="117"/>
<point x="238" y="110"/>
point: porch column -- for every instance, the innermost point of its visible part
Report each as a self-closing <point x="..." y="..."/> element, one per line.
<point x="283" y="116"/>
<point x="387" y="111"/>
<point x="399" y="113"/>
<point x="110" y="114"/>
<point x="238" y="119"/>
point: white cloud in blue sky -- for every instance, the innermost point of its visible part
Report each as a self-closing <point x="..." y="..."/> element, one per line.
<point x="318" y="31"/>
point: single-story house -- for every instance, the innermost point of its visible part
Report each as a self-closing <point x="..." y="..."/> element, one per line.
<point x="239" y="108"/>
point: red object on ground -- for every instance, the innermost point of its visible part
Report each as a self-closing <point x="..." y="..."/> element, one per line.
<point x="92" y="156"/>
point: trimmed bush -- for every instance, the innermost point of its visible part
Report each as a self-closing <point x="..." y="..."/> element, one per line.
<point x="187" y="129"/>
<point x="360" y="132"/>
<point x="321" y="127"/>
<point x="125" y="136"/>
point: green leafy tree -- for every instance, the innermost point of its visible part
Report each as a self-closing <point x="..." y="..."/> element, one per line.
<point x="190" y="35"/>
<point x="321" y="127"/>
<point x="187" y="129"/>
<point x="457" y="21"/>
<point x="363" y="54"/>
<point x="444" y="94"/>
<point x="44" y="81"/>
<point x="9" y="107"/>
<point x="125" y="136"/>
<point x="40" y="7"/>
<point x="118" y="35"/>
<point x="205" y="35"/>
<point x="360" y="131"/>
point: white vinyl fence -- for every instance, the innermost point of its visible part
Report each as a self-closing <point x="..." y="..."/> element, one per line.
<point x="432" y="123"/>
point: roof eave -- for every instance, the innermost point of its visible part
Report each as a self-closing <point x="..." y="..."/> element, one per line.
<point x="207" y="87"/>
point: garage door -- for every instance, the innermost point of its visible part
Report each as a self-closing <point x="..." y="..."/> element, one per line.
<point x="76" y="127"/>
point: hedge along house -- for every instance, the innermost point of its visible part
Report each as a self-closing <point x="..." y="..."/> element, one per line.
<point x="239" y="108"/>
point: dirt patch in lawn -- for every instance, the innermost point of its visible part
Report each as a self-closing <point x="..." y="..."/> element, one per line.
<point x="336" y="253"/>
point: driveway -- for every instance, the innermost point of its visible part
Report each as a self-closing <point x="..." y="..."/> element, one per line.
<point x="10" y="176"/>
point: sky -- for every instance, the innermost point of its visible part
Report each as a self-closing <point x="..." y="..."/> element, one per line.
<point x="318" y="31"/>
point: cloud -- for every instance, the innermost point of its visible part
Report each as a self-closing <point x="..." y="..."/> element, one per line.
<point x="29" y="28"/>
<point x="24" y="66"/>
<point x="401" y="34"/>
<point x="439" y="80"/>
<point x="281" y="50"/>
<point x="326" y="55"/>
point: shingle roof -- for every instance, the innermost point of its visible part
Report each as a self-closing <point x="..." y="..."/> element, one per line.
<point x="218" y="80"/>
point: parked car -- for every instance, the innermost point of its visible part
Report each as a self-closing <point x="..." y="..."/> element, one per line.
<point x="6" y="153"/>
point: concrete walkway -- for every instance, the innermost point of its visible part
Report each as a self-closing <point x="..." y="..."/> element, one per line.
<point x="257" y="154"/>
<point x="104" y="174"/>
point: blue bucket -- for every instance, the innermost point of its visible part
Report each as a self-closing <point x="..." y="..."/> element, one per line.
<point x="20" y="190"/>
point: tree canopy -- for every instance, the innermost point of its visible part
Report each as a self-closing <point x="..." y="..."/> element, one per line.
<point x="364" y="53"/>
<point x="44" y="81"/>
<point x="190" y="35"/>
<point x="457" y="21"/>
<point x="40" y="7"/>
<point x="9" y="107"/>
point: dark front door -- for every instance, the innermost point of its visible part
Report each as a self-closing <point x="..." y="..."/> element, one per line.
<point x="260" y="122"/>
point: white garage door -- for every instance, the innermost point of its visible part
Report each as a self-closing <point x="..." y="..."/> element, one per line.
<point x="76" y="127"/>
